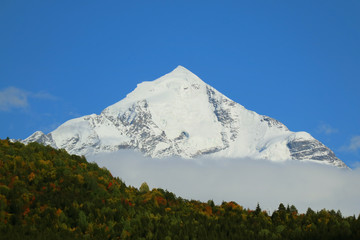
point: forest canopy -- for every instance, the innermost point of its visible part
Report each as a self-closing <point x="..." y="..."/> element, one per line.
<point x="47" y="193"/>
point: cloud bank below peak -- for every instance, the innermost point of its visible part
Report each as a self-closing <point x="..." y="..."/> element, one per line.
<point x="246" y="181"/>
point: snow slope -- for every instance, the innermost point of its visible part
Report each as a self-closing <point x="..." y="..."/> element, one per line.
<point x="180" y="115"/>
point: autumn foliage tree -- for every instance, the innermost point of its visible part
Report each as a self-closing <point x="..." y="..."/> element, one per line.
<point x="49" y="194"/>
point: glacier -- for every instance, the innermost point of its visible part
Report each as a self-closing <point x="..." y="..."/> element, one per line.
<point x="180" y="115"/>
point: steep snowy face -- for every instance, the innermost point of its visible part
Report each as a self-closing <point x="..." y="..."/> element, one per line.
<point x="174" y="113"/>
<point x="180" y="115"/>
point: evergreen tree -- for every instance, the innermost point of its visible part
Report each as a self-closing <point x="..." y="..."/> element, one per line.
<point x="144" y="188"/>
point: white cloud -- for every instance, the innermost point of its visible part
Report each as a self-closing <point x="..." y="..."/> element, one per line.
<point x="74" y="114"/>
<point x="326" y="129"/>
<point x="355" y="165"/>
<point x="13" y="97"/>
<point x="43" y="95"/>
<point x="49" y="128"/>
<point x="354" y="145"/>
<point x="246" y="181"/>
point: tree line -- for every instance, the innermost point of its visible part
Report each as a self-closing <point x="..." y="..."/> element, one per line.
<point x="47" y="193"/>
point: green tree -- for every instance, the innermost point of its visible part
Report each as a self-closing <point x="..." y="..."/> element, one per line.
<point x="258" y="209"/>
<point x="144" y="188"/>
<point x="82" y="221"/>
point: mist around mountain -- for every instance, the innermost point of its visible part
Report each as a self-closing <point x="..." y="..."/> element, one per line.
<point x="244" y="180"/>
<point x="180" y="115"/>
<point x="47" y="193"/>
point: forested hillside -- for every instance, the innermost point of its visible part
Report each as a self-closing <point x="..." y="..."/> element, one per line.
<point x="48" y="194"/>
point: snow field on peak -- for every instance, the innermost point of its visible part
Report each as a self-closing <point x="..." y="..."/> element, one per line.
<point x="180" y="115"/>
<point x="177" y="99"/>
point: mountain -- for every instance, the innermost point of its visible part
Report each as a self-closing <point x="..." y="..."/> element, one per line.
<point x="180" y="115"/>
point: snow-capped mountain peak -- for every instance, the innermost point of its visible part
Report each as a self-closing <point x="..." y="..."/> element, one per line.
<point x="178" y="83"/>
<point x="180" y="115"/>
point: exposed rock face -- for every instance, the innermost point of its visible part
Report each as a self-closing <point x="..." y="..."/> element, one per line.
<point x="314" y="150"/>
<point x="180" y="115"/>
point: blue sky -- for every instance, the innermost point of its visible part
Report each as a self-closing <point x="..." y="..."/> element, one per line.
<point x="296" y="61"/>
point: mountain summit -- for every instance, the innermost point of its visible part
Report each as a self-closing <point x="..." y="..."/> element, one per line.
<point x="180" y="115"/>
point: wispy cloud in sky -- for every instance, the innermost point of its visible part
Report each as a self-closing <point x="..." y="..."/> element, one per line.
<point x="353" y="146"/>
<point x="246" y="181"/>
<point x="13" y="97"/>
<point x="50" y="127"/>
<point x="326" y="129"/>
<point x="43" y="95"/>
